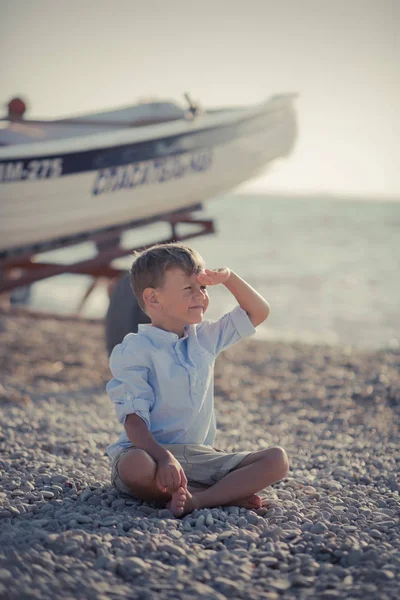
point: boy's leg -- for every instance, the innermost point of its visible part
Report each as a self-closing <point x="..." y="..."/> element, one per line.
<point x="137" y="470"/>
<point x="255" y="472"/>
<point x="255" y="456"/>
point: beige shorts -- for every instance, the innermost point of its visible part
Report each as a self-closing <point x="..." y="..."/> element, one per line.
<point x="203" y="465"/>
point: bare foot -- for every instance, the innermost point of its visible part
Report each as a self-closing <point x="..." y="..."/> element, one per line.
<point x="182" y="502"/>
<point x="251" y="502"/>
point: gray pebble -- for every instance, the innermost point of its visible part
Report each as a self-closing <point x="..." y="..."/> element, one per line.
<point x="233" y="510"/>
<point x="83" y="518"/>
<point x="175" y="534"/>
<point x="59" y="479"/>
<point x="47" y="494"/>
<point x="172" y="549"/>
<point x="200" y="521"/>
<point x="319" y="528"/>
<point x="187" y="526"/>
<point x="227" y="587"/>
<point x="109" y="521"/>
<point x="354" y="557"/>
<point x="209" y="520"/>
<point x="165" y="513"/>
<point x="280" y="584"/>
<point x="73" y="523"/>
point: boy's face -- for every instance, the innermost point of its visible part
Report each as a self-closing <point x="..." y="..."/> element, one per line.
<point x="182" y="300"/>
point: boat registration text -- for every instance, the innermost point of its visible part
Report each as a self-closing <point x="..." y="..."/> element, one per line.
<point x="31" y="170"/>
<point x="147" y="172"/>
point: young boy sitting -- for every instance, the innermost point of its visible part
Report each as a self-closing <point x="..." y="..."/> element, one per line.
<point x="162" y="389"/>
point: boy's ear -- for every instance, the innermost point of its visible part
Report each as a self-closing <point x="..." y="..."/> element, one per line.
<point x="150" y="297"/>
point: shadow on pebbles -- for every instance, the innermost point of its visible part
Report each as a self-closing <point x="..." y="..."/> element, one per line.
<point x="330" y="531"/>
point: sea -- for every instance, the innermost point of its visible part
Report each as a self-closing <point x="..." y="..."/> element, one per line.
<point x="329" y="267"/>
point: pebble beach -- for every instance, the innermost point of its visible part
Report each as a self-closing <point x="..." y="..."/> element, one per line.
<point x="330" y="530"/>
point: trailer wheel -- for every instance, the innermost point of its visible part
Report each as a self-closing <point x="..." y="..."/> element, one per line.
<point x="123" y="315"/>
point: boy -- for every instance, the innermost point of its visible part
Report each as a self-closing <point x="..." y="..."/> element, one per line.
<point x="162" y="389"/>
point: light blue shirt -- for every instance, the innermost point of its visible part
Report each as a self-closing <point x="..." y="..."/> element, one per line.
<point x="169" y="381"/>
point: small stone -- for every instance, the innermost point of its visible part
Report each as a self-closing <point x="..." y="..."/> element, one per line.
<point x="385" y="524"/>
<point x="133" y="566"/>
<point x="318" y="528"/>
<point x="73" y="523"/>
<point x="27" y="485"/>
<point x="225" y="535"/>
<point x="350" y="528"/>
<point x="146" y="510"/>
<point x="375" y="533"/>
<point x="118" y="502"/>
<point x="200" y="521"/>
<point x="354" y="557"/>
<point x="165" y="513"/>
<point x="227" y="587"/>
<point x="59" y="479"/>
<point x="172" y="549"/>
<point x="175" y="534"/>
<point x="41" y="522"/>
<point x="291" y="534"/>
<point x="280" y="584"/>
<point x="302" y="581"/>
<point x="233" y="510"/>
<point x="210" y="540"/>
<point x="48" y="495"/>
<point x="83" y="518"/>
<point x="109" y="521"/>
<point x="104" y="562"/>
<point x="209" y="520"/>
<point x="262" y="511"/>
<point x="386" y="574"/>
<point x="253" y="518"/>
<point x="269" y="561"/>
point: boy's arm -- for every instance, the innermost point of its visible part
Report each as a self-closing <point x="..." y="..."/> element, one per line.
<point x="251" y="301"/>
<point x="170" y="474"/>
<point x="140" y="436"/>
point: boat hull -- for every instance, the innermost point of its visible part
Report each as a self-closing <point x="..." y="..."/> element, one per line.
<point x="100" y="183"/>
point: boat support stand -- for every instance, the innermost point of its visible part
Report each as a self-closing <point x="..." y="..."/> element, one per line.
<point x="25" y="269"/>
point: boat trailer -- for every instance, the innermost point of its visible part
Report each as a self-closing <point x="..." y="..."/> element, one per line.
<point x="21" y="267"/>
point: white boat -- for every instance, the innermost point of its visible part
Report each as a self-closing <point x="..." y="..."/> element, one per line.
<point x="73" y="176"/>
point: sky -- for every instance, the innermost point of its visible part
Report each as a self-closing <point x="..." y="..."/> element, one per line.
<point x="341" y="57"/>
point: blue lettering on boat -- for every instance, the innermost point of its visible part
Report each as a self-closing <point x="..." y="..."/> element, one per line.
<point x="148" y="172"/>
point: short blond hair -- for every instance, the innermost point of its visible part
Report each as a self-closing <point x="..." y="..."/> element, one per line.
<point x="150" y="265"/>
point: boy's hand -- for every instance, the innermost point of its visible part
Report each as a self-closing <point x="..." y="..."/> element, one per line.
<point x="170" y="475"/>
<point x="213" y="277"/>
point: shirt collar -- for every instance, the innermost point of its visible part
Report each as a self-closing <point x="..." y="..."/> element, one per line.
<point x="155" y="333"/>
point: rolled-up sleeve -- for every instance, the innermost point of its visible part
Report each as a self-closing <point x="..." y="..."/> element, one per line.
<point x="130" y="390"/>
<point x="220" y="335"/>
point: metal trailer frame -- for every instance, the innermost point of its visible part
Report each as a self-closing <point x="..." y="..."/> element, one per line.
<point x="18" y="268"/>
